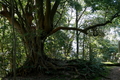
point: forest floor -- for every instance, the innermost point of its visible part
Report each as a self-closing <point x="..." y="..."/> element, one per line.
<point x="114" y="73"/>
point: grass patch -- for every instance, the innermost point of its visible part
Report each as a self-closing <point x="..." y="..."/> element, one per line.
<point x="109" y="62"/>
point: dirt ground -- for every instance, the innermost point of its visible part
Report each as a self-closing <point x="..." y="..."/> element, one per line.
<point x="114" y="74"/>
<point x="40" y="77"/>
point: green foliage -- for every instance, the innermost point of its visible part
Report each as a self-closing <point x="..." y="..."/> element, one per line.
<point x="6" y="48"/>
<point x="57" y="45"/>
<point x="107" y="49"/>
<point x="103" y="4"/>
<point x="75" y="5"/>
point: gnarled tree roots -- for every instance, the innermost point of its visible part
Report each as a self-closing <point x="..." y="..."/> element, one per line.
<point x="76" y="68"/>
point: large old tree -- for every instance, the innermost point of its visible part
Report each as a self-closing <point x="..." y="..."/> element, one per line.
<point x="33" y="20"/>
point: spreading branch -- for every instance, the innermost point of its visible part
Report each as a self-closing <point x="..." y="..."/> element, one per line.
<point x="7" y="14"/>
<point x="60" y="15"/>
<point x="26" y="21"/>
<point x="40" y="17"/>
<point x="48" y="9"/>
<point x="54" y="9"/>
<point x="82" y="13"/>
<point x="47" y="21"/>
<point x="103" y="24"/>
<point x="18" y="14"/>
<point x="86" y="29"/>
<point x="67" y="28"/>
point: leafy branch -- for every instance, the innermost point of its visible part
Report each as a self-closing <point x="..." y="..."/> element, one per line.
<point x="88" y="28"/>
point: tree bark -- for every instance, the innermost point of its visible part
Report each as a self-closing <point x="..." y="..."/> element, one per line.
<point x="77" y="36"/>
<point x="83" y="46"/>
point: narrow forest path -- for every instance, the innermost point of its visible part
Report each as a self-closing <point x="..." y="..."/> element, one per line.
<point x="114" y="74"/>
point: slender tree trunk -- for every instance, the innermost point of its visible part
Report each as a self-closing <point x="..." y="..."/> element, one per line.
<point x="77" y="36"/>
<point x="83" y="46"/>
<point x="119" y="50"/>
<point x="14" y="41"/>
<point x="90" y="50"/>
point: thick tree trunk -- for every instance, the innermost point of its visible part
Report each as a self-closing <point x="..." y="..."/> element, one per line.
<point x="36" y="50"/>
<point x="36" y="57"/>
